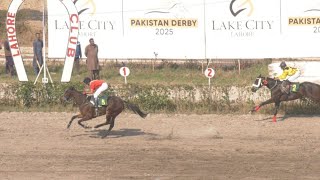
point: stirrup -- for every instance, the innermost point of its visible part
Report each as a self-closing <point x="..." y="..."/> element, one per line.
<point x="96" y="111"/>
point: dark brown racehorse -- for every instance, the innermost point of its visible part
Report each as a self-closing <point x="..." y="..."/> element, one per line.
<point x="115" y="106"/>
<point x="307" y="90"/>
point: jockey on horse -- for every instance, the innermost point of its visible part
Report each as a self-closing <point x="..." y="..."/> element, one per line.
<point x="289" y="74"/>
<point x="96" y="88"/>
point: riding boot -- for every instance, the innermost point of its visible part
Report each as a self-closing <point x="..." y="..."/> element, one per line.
<point x="96" y="103"/>
<point x="285" y="86"/>
<point x="92" y="100"/>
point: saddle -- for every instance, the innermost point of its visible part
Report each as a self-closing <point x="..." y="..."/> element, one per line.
<point x="287" y="87"/>
<point x="102" y="100"/>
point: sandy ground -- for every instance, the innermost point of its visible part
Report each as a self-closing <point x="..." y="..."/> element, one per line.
<point x="38" y="146"/>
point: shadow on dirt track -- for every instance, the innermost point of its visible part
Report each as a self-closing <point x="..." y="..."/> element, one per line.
<point x="99" y="133"/>
<point x="286" y="117"/>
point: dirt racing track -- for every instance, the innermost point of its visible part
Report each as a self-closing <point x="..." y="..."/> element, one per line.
<point x="38" y="146"/>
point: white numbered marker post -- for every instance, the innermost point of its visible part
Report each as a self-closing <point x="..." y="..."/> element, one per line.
<point x="209" y="72"/>
<point x="124" y="71"/>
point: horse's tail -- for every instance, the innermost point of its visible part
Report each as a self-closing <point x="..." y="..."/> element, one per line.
<point x="135" y="109"/>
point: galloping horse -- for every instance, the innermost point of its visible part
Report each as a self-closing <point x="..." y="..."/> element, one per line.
<point x="306" y="89"/>
<point x="115" y="106"/>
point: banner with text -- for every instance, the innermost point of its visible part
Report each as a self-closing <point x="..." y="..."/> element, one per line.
<point x="301" y="28"/>
<point x="13" y="40"/>
<point x="190" y="29"/>
<point x="242" y="28"/>
<point x="164" y="29"/>
<point x="98" y="19"/>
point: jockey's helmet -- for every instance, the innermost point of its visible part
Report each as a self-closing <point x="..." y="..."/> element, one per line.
<point x="283" y="64"/>
<point x="87" y="80"/>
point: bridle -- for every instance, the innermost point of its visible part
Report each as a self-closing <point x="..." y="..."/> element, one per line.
<point x="259" y="84"/>
<point x="263" y="82"/>
<point x="84" y="101"/>
<point x="275" y="84"/>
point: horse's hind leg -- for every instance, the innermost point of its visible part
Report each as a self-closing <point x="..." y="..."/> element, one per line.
<point x="73" y="118"/>
<point x="110" y="127"/>
<point x="103" y="124"/>
<point x="99" y="125"/>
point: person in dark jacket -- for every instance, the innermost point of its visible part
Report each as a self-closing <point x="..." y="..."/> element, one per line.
<point x="77" y="57"/>
<point x="37" y="54"/>
<point x="91" y="52"/>
<point x="9" y="59"/>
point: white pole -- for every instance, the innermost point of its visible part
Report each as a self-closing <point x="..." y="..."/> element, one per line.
<point x="40" y="69"/>
<point x="45" y="80"/>
<point x="239" y="66"/>
<point x="205" y="34"/>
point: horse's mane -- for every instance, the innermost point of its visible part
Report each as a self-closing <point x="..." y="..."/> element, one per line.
<point x="77" y="92"/>
<point x="269" y="78"/>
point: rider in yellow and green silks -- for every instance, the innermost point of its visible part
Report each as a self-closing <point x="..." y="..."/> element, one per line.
<point x="288" y="75"/>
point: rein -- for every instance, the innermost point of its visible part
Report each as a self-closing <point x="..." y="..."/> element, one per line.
<point x="265" y="83"/>
<point x="79" y="95"/>
<point x="275" y="84"/>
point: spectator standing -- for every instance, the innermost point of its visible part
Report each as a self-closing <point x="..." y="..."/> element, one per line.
<point x="91" y="53"/>
<point x="77" y="57"/>
<point x="37" y="54"/>
<point x="9" y="59"/>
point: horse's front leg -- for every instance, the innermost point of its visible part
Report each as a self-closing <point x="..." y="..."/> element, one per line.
<point x="256" y="108"/>
<point x="73" y="118"/>
<point x="277" y="105"/>
<point x="86" y="118"/>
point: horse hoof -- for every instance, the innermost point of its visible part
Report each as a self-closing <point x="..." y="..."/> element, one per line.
<point x="102" y="137"/>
